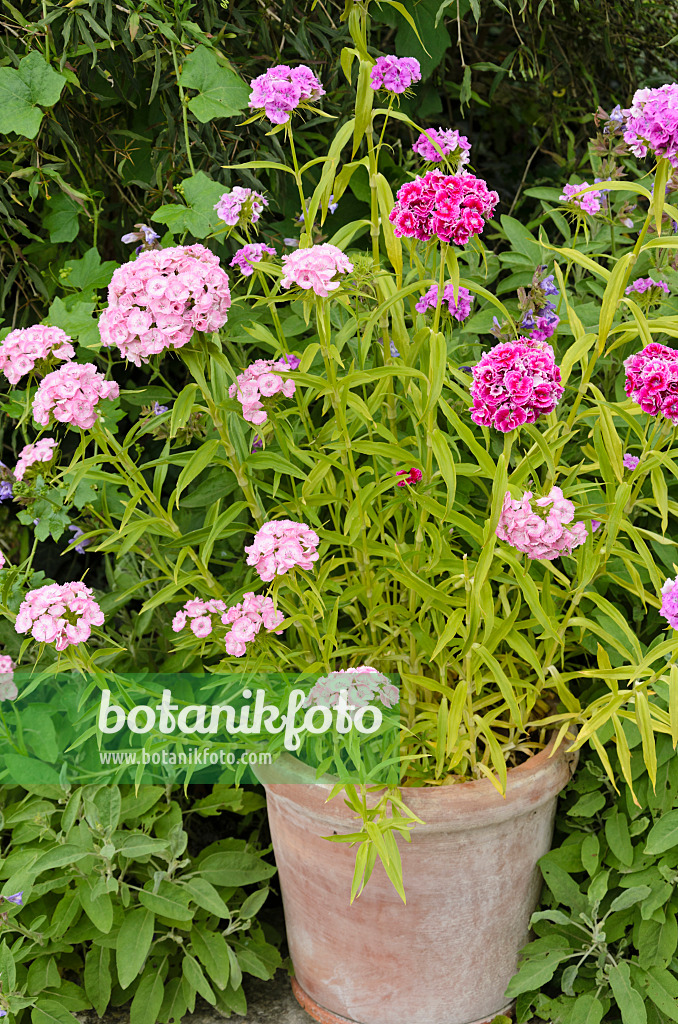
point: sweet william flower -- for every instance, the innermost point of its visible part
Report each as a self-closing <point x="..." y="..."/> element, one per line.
<point x="651" y="122"/>
<point x="459" y="310"/>
<point x="281" y="545"/>
<point x="62" y="615"/>
<point x="250" y="254"/>
<point x="449" y="207"/>
<point x="240" y="207"/>
<point x="630" y="461"/>
<point x="71" y="395"/>
<point x="538" y="527"/>
<point x="246" y="619"/>
<point x="652" y="380"/>
<point x="412" y="476"/>
<point x="282" y="89"/>
<point x="669" y="607"/>
<point x="515" y="383"/>
<point x="362" y="685"/>
<point x="589" y="202"/>
<point x="199" y="616"/>
<point x="395" y="74"/>
<point x="315" y="268"/>
<point x="39" y="451"/>
<point x="646" y="284"/>
<point x="27" y="347"/>
<point x="262" y="379"/>
<point x="449" y="143"/>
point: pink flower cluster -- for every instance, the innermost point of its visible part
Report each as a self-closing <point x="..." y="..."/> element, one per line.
<point x="6" y="665"/>
<point x="240" y="207"/>
<point x="62" y="615"/>
<point x="363" y="685"/>
<point x="249" y="254"/>
<point x="2" y="560"/>
<point x="156" y="302"/>
<point x="669" y="608"/>
<point x="449" y="207"/>
<point x="280" y="545"/>
<point x="630" y="461"/>
<point x="459" y="311"/>
<point x="281" y="89"/>
<point x="315" y="268"/>
<point x="514" y="383"/>
<point x="71" y="394"/>
<point x="39" y="451"/>
<point x="590" y="202"/>
<point x="260" y="380"/>
<point x="395" y="74"/>
<point x="651" y="122"/>
<point x="8" y="689"/>
<point x="450" y="143"/>
<point x="199" y="616"/>
<point x="646" y="284"/>
<point x="26" y="346"/>
<point x="652" y="380"/>
<point x="537" y="526"/>
<point x="247" y="618"/>
<point x="412" y="476"/>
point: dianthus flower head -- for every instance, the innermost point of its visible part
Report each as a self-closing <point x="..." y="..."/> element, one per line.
<point x="444" y="206"/>
<point x="651" y="122"/>
<point x="262" y="379"/>
<point x="362" y="686"/>
<point x="514" y="383"/>
<point x="247" y="618"/>
<point x="39" y="451"/>
<point x="395" y="74"/>
<point x="459" y="310"/>
<point x="159" y="300"/>
<point x="279" y="546"/>
<point x="669" y="608"/>
<point x="448" y="143"/>
<point x="630" y="461"/>
<point x="412" y="476"/>
<point x="25" y="347"/>
<point x="282" y="89"/>
<point x="240" y="207"/>
<point x="8" y="691"/>
<point x="6" y="665"/>
<point x="62" y="615"/>
<point x="199" y="615"/>
<point x="315" y="268"/>
<point x="71" y="394"/>
<point x="249" y="255"/>
<point x="537" y="527"/>
<point x="589" y="202"/>
<point x="652" y="380"/>
<point x="646" y="284"/>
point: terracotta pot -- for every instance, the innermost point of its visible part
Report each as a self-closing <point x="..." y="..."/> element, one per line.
<point x="471" y="881"/>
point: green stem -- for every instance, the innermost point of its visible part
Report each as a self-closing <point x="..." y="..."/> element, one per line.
<point x="184" y="113"/>
<point x="308" y="228"/>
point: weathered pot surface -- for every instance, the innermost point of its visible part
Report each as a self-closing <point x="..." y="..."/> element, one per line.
<point x="471" y="881"/>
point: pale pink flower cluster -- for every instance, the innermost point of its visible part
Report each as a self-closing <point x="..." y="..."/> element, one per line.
<point x="449" y="142"/>
<point x="669" y="608"/>
<point x="590" y="202"/>
<point x="652" y="122"/>
<point x="247" y="618"/>
<point x="199" y="616"/>
<point x="281" y="89"/>
<point x="62" y="615"/>
<point x="280" y="545"/>
<point x="240" y="207"/>
<point x="362" y="685"/>
<point x="39" y="451"/>
<point x="315" y="268"/>
<point x="260" y="380"/>
<point x="6" y="665"/>
<point x="646" y="284"/>
<point x="159" y="300"/>
<point x="445" y="206"/>
<point x="26" y="346"/>
<point x="395" y="74"/>
<point x="537" y="527"/>
<point x="8" y="689"/>
<point x="252" y="253"/>
<point x="71" y="394"/>
<point x="652" y="380"/>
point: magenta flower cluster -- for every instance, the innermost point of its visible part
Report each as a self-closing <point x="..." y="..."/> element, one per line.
<point x="449" y="207"/>
<point x="260" y="380"/>
<point x="62" y="615"/>
<point x="651" y="122"/>
<point x="240" y="207"/>
<point x="514" y="383"/>
<point x="537" y="527"/>
<point x="280" y="545"/>
<point x="669" y="608"/>
<point x="459" y="310"/>
<point x="250" y="254"/>
<point x="71" y="395"/>
<point x="281" y="89"/>
<point x="652" y="380"/>
<point x="26" y="346"/>
<point x="39" y="451"/>
<point x="448" y="143"/>
<point x="630" y="461"/>
<point x="412" y="476"/>
<point x="362" y="686"/>
<point x="159" y="300"/>
<point x="315" y="268"/>
<point x="247" y="619"/>
<point x="395" y="74"/>
<point x="646" y="284"/>
<point x="590" y="202"/>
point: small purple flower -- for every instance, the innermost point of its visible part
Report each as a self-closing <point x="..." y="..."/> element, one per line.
<point x="630" y="461"/>
<point x="3" y="1013"/>
<point x="158" y="409"/>
<point x="548" y="286"/>
<point x="16" y="898"/>
<point x="291" y="243"/>
<point x="292" y="361"/>
<point x="528" y="320"/>
<point x="80" y="548"/>
<point x="6" y="490"/>
<point x="257" y="443"/>
<point x="394" y="351"/>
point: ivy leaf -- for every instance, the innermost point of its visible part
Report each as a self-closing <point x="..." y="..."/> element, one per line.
<point x="75" y="318"/>
<point x="198" y="216"/>
<point x="61" y="217"/>
<point x="24" y="90"/>
<point x="89" y="272"/>
<point x="221" y="92"/>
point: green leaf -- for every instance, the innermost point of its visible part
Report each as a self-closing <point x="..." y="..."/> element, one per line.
<point x="50" y="1011"/>
<point x="28" y="771"/>
<point x="148" y="997"/>
<point x="206" y="896"/>
<point x="89" y="272"/>
<point x="628" y="897"/>
<point x="628" y="999"/>
<point x="617" y="835"/>
<point x="535" y="972"/>
<point x="99" y="909"/>
<point x="97" y="977"/>
<point x="75" y="318"/>
<point x="587" y="1009"/>
<point x="133" y="943"/>
<point x="199" y="461"/>
<point x="221" y="92"/>
<point x="170" y="901"/>
<point x="235" y="868"/>
<point x="211" y="949"/>
<point x="24" y="90"/>
<point x="663" y="835"/>
<point x="60" y="216"/>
